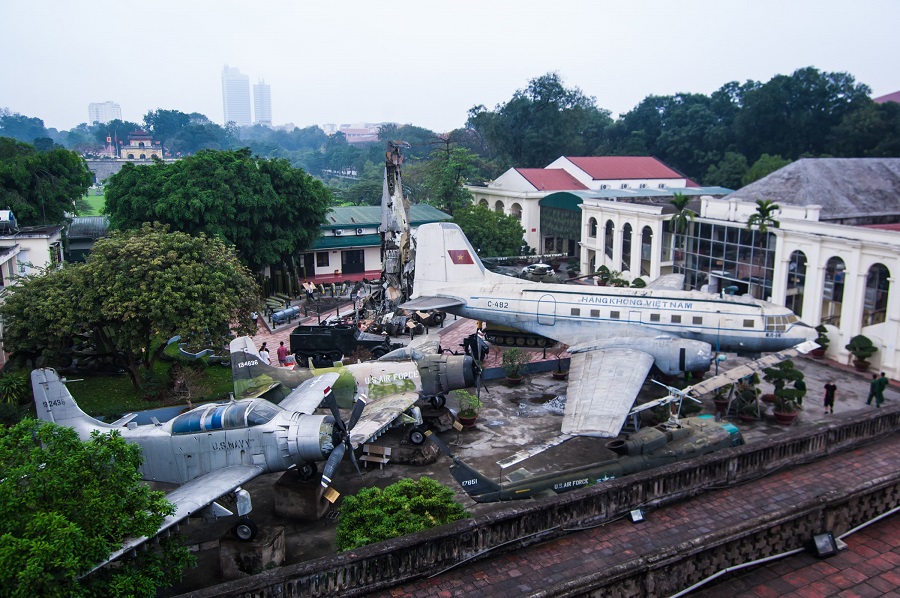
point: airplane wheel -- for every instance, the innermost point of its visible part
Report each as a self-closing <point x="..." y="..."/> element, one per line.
<point x="245" y="529"/>
<point x="417" y="436"/>
<point x="307" y="471"/>
<point x="438" y="401"/>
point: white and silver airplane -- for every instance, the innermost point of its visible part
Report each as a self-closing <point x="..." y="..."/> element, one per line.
<point x="615" y="335"/>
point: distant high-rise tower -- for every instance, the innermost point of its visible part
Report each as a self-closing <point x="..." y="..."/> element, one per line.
<point x="262" y="103"/>
<point x="104" y="112"/>
<point x="236" y="96"/>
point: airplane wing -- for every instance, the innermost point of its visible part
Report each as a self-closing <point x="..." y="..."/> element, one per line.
<point x="742" y="371"/>
<point x="603" y="385"/>
<point x="193" y="497"/>
<point x="309" y="395"/>
<point x="671" y="282"/>
<point x="426" y="303"/>
<point x="379" y="415"/>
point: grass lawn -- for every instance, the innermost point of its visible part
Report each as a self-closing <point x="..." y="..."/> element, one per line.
<point x="96" y="202"/>
<point x="111" y="396"/>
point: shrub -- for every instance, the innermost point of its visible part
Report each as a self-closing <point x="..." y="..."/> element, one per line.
<point x="14" y="388"/>
<point x="407" y="507"/>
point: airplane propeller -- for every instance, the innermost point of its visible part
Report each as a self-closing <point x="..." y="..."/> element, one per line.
<point x="343" y="430"/>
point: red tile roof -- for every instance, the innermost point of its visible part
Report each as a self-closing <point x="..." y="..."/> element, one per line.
<point x="550" y="179"/>
<point x="891" y="97"/>
<point x="601" y="168"/>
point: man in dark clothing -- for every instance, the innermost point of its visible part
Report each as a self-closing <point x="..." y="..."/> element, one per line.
<point x="830" y="392"/>
<point x="881" y="384"/>
<point x="873" y="391"/>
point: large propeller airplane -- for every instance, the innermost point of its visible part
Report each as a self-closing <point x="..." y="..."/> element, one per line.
<point x="615" y="335"/>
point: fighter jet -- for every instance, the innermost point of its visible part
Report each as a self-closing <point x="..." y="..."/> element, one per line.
<point x="647" y="448"/>
<point x="615" y="335"/>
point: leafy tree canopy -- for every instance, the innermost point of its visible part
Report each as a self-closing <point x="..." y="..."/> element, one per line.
<point x="491" y="233"/>
<point x="446" y="173"/>
<point x="407" y="507"/>
<point x="67" y="504"/>
<point x="267" y="209"/>
<point x="41" y="187"/>
<point x="20" y="127"/>
<point x="136" y="289"/>
<point x="763" y="167"/>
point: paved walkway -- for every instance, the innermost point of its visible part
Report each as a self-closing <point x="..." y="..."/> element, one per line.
<point x="869" y="567"/>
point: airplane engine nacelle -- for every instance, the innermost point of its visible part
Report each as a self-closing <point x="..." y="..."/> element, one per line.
<point x="310" y="438"/>
<point x="676" y="355"/>
<point x="442" y="373"/>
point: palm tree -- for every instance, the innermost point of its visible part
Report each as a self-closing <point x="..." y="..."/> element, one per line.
<point x="764" y="216"/>
<point x="682" y="216"/>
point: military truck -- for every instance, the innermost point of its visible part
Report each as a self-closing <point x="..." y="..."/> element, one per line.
<point x="327" y="344"/>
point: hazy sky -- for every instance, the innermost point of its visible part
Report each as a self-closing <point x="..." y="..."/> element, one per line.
<point x="423" y="62"/>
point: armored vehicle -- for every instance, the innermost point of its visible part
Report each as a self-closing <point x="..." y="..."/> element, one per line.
<point x="327" y="344"/>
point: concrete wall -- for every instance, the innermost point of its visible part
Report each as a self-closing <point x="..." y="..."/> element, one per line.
<point x="386" y="564"/>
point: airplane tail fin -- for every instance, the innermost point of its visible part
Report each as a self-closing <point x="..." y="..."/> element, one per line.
<point x="445" y="258"/>
<point x="472" y="481"/>
<point x="54" y="403"/>
<point x="253" y="378"/>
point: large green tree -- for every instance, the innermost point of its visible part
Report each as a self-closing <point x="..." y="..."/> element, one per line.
<point x="21" y="127"/>
<point x="491" y="233"/>
<point x="41" y="187"/>
<point x="445" y="175"/>
<point x="65" y="505"/>
<point x="267" y="209"/>
<point x="137" y="289"/>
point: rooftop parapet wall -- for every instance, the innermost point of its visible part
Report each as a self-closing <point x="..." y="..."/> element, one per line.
<point x="396" y="561"/>
<point x="736" y="210"/>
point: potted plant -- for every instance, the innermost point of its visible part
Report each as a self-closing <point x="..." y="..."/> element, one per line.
<point x="558" y="351"/>
<point x="822" y="341"/>
<point x="603" y="276"/>
<point x="573" y="268"/>
<point x="787" y="398"/>
<point x="513" y="361"/>
<point x="862" y="349"/>
<point x="746" y="398"/>
<point x="720" y="399"/>
<point x="469" y="407"/>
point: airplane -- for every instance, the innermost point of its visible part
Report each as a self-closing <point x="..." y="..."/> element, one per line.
<point x="645" y="449"/>
<point x="213" y="449"/>
<point x="615" y="335"/>
<point x="392" y="384"/>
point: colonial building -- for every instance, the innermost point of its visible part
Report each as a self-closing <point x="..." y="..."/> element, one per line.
<point x="832" y="259"/>
<point x="140" y="146"/>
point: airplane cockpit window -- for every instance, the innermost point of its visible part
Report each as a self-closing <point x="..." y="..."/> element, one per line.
<point x="228" y="416"/>
<point x="261" y="412"/>
<point x="403" y="354"/>
<point x="776" y="323"/>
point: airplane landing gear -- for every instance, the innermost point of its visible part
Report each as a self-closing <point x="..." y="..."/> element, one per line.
<point x="245" y="529"/>
<point x="417" y="436"/>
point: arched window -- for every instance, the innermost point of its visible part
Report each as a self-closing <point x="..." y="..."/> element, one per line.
<point x="592" y="228"/>
<point x="143" y="156"/>
<point x="498" y="207"/>
<point x="646" y="243"/>
<point x="483" y="202"/>
<point x="516" y="210"/>
<point x="876" y="298"/>
<point x="796" y="281"/>
<point x="141" y="144"/>
<point x="131" y="156"/>
<point x="833" y="291"/>
<point x="626" y="248"/>
<point x="608" y="240"/>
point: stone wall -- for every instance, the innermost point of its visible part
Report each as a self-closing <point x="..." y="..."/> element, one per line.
<point x="389" y="563"/>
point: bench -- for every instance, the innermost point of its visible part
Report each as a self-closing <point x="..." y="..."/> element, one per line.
<point x="372" y="453"/>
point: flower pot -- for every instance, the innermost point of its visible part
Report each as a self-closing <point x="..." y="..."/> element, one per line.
<point x="746" y="418"/>
<point x="818" y="353"/>
<point x="513" y="380"/>
<point x="861" y="365"/>
<point x="467" y="422"/>
<point x="559" y="375"/>
<point x="721" y="405"/>
<point x="785" y="419"/>
<point x="768" y="398"/>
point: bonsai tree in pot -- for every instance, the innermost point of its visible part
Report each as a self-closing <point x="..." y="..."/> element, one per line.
<point x="558" y="351"/>
<point x="747" y="398"/>
<point x="513" y="361"/>
<point x="822" y="341"/>
<point x="862" y="349"/>
<point x="787" y="398"/>
<point x="469" y="407"/>
<point x="603" y="276"/>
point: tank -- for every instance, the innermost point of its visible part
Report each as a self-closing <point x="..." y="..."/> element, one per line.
<point x="327" y="344"/>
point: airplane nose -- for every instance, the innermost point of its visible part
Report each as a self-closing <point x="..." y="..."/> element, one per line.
<point x="806" y="332"/>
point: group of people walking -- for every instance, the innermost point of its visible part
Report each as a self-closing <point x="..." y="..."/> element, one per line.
<point x="876" y="389"/>
<point x="281" y="352"/>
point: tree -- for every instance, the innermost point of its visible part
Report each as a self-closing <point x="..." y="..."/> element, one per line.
<point x="166" y="124"/>
<point x="117" y="131"/>
<point x="267" y="209"/>
<point x="445" y="176"/>
<point x="41" y="187"/>
<point x="20" y="127"/>
<point x="67" y="504"/>
<point x="491" y="233"/>
<point x="764" y="166"/>
<point x="406" y="507"/>
<point x="682" y="217"/>
<point x="873" y="131"/>
<point x="137" y="289"/>
<point x="764" y="216"/>
<point x="729" y="172"/>
<point x="539" y="123"/>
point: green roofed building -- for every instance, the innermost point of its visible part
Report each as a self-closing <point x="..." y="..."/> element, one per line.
<point x="350" y="244"/>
